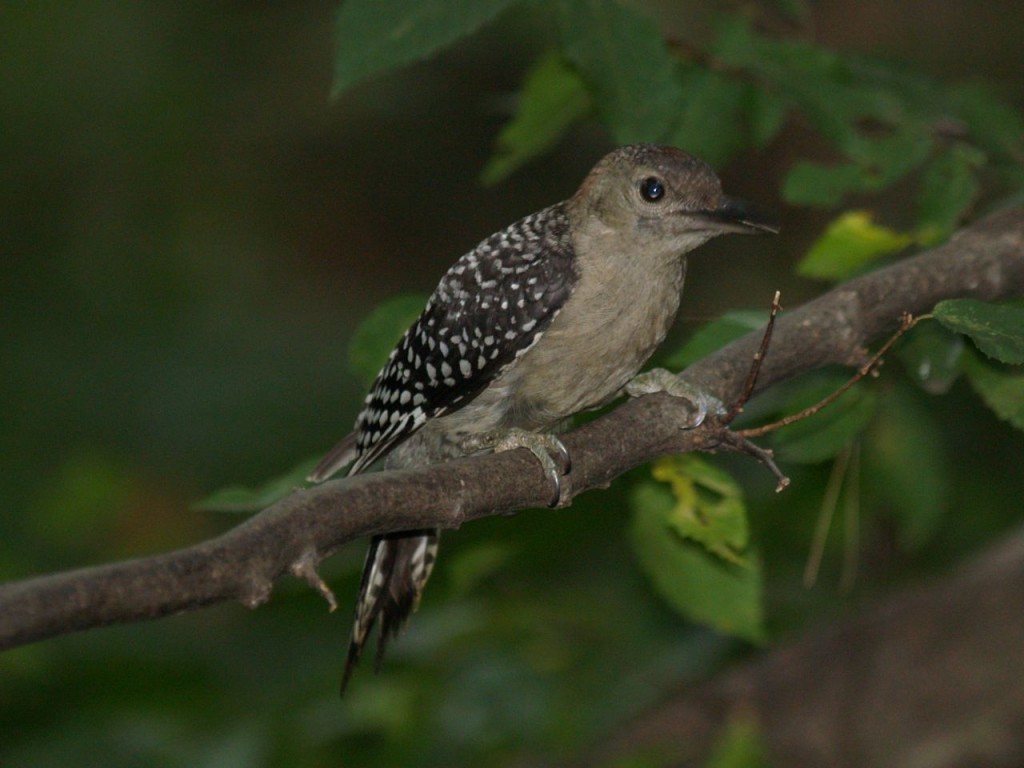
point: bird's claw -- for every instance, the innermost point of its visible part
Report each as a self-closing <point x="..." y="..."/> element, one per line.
<point x="661" y="380"/>
<point x="549" y="451"/>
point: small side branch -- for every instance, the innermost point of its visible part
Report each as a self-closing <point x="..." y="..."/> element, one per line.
<point x="870" y="368"/>
<point x="755" y="366"/>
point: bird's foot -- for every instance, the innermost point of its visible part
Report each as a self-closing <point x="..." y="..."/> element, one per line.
<point x="549" y="451"/>
<point x="661" y="380"/>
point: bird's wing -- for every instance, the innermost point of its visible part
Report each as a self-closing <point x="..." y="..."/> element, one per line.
<point x="489" y="308"/>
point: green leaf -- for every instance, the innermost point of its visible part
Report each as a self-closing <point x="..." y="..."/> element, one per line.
<point x="877" y="164"/>
<point x="823" y="435"/>
<point x="766" y="114"/>
<point x="238" y="499"/>
<point x="820" y="83"/>
<point x="993" y="122"/>
<point x="373" y="36"/>
<point x="932" y="356"/>
<point x="996" y="329"/>
<point x="890" y="158"/>
<point x="850" y="243"/>
<point x="715" y="335"/>
<point x="823" y="186"/>
<point x="907" y="467"/>
<point x="84" y="494"/>
<point x="709" y="506"/>
<point x="740" y="746"/>
<point x="697" y="584"/>
<point x="712" y="98"/>
<point x="812" y="78"/>
<point x="624" y="60"/>
<point x="552" y="99"/>
<point x="918" y="95"/>
<point x="376" y="336"/>
<point x="1002" y="390"/>
<point x="949" y="188"/>
<point x="470" y="566"/>
<point x="796" y="11"/>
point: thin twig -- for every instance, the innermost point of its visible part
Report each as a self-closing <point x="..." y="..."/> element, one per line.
<point x="755" y="365"/>
<point x="851" y="524"/>
<point x="736" y="442"/>
<point x="824" y="523"/>
<point x="906" y="323"/>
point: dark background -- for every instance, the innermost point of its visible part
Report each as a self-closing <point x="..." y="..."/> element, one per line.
<point x="190" y="231"/>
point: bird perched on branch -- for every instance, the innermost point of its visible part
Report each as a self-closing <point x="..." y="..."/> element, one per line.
<point x="551" y="316"/>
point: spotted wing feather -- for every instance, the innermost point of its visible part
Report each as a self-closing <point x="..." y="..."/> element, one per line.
<point x="490" y="307"/>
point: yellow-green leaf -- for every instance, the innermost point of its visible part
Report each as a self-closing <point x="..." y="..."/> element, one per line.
<point x="699" y="585"/>
<point x="741" y="745"/>
<point x="850" y="243"/>
<point x="709" y="506"/>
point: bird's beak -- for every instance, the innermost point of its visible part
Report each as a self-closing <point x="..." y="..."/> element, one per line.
<point x="741" y="217"/>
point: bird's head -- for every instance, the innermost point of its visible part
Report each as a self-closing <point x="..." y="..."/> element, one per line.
<point x="661" y="198"/>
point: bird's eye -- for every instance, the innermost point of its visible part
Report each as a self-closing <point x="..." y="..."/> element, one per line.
<point x="652" y="189"/>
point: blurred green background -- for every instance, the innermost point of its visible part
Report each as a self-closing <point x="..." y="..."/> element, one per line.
<point x="191" y="231"/>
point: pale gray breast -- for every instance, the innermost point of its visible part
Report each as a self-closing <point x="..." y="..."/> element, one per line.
<point x="602" y="337"/>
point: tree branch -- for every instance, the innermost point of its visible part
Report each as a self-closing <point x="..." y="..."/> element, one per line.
<point x="985" y="261"/>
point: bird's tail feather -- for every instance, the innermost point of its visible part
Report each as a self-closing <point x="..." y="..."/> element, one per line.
<point x="396" y="571"/>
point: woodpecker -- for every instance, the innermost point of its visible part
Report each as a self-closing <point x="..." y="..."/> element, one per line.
<point x="553" y="315"/>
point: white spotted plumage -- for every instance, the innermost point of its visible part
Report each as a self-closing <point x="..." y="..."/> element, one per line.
<point x="459" y="343"/>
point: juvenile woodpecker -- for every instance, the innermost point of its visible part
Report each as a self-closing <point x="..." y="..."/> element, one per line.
<point x="553" y="315"/>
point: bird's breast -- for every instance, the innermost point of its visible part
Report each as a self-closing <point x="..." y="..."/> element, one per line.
<point x="607" y="330"/>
